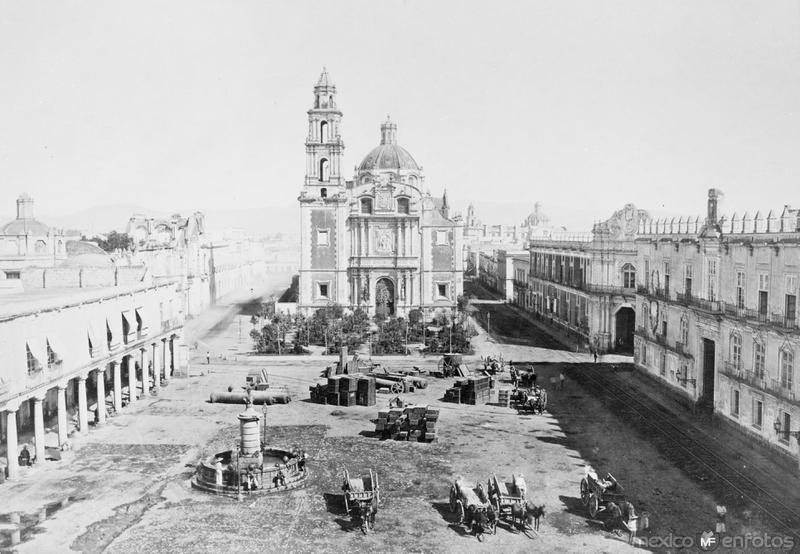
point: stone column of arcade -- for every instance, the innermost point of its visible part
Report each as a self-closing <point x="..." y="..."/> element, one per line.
<point x="131" y="380"/>
<point x="116" y="369"/>
<point x="12" y="447"/>
<point x="83" y="408"/>
<point x="156" y="370"/>
<point x="38" y="429"/>
<point x="145" y="371"/>
<point x="63" y="432"/>
<point x="162" y="360"/>
<point x="101" y="395"/>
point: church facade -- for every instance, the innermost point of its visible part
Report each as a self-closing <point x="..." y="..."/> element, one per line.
<point x="378" y="242"/>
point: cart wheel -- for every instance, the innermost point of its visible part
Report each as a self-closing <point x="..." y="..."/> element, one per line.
<point x="585" y="492"/>
<point x="397" y="387"/>
<point x="453" y="499"/>
<point x="346" y="505"/>
<point x="462" y="516"/>
<point x="495" y="502"/>
<point x="594" y="505"/>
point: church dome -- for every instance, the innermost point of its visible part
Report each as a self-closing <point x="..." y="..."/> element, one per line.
<point x="24" y="227"/>
<point x="388" y="155"/>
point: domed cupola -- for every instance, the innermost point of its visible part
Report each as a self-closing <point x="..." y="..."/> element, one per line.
<point x="388" y="155"/>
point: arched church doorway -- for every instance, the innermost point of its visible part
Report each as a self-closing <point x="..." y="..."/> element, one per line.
<point x="384" y="297"/>
<point x="625" y="324"/>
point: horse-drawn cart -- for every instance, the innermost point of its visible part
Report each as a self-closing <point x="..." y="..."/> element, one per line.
<point x="504" y="496"/>
<point x="533" y="399"/>
<point x="473" y="506"/>
<point x="363" y="494"/>
<point x="597" y="493"/>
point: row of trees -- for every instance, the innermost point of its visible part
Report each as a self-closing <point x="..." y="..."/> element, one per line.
<point x="332" y="328"/>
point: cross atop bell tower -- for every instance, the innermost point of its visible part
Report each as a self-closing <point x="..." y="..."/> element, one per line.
<point x="324" y="145"/>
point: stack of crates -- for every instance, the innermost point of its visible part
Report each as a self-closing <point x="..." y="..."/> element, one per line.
<point x="332" y="396"/>
<point x="454" y="394"/>
<point x="348" y="386"/>
<point x="365" y="394"/>
<point x="474" y="390"/>
<point x="503" y="397"/>
<point x="417" y="423"/>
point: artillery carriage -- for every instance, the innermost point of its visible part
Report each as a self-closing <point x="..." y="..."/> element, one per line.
<point x="533" y="399"/>
<point x="362" y="495"/>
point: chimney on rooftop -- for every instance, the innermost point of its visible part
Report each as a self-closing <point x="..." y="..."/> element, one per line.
<point x="715" y="197"/>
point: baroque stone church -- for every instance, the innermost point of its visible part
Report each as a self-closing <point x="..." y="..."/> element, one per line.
<point x="377" y="242"/>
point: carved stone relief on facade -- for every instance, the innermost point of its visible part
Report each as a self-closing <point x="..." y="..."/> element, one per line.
<point x="384" y="240"/>
<point x="384" y="199"/>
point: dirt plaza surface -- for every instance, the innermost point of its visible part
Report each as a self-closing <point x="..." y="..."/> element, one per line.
<point x="125" y="488"/>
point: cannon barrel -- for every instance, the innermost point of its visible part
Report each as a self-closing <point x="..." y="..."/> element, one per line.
<point x="259" y="397"/>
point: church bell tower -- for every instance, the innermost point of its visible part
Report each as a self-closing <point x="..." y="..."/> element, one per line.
<point x="324" y="144"/>
<point x="323" y="206"/>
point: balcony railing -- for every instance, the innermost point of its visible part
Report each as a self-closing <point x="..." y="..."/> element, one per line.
<point x="606" y="289"/>
<point x="169" y="324"/>
<point x="782" y="389"/>
<point x="661" y="339"/>
<point x="779" y="320"/>
<point x="732" y="369"/>
<point x="713" y="306"/>
<point x="681" y="348"/>
<point x="758" y="380"/>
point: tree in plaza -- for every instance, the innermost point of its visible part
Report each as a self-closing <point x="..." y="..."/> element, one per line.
<point x="113" y="241"/>
<point x="382" y="299"/>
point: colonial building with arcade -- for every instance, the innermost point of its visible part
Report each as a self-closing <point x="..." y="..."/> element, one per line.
<point x="379" y="241"/>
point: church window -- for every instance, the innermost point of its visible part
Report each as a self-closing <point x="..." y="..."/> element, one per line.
<point x="323" y="192"/>
<point x="402" y="206"/>
<point x="441" y="238"/>
<point x="324" y="170"/>
<point x="322" y="290"/>
<point x="323" y="131"/>
<point x="12" y="274"/>
<point x="366" y="205"/>
<point x="322" y="238"/>
<point x="628" y="276"/>
<point x="442" y="290"/>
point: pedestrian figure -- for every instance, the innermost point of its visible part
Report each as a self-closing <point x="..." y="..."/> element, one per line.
<point x="561" y="380"/>
<point x="218" y="472"/>
<point x="533" y="375"/>
<point x="594" y="353"/>
<point x="208" y="357"/>
<point x="24" y="458"/>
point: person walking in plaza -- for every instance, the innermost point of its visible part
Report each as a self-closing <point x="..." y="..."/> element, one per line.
<point x="561" y="380"/>
<point x="594" y="353"/>
<point x="208" y="357"/>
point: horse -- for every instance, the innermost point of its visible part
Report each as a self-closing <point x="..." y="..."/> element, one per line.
<point x="620" y="516"/>
<point x="478" y="521"/>
<point x="366" y="515"/>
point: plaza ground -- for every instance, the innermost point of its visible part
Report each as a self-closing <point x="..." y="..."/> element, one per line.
<point x="125" y="486"/>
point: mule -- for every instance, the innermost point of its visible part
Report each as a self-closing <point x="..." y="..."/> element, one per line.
<point x="528" y="515"/>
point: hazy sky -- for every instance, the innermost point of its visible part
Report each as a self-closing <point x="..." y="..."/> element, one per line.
<point x="191" y="104"/>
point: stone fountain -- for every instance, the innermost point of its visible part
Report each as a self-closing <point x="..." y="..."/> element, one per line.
<point x="252" y="467"/>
